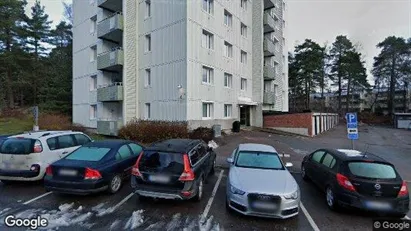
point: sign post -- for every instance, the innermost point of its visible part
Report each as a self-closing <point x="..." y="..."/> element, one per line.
<point x="352" y="127"/>
<point x="36" y="118"/>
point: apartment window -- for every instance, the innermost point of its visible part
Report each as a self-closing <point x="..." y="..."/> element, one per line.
<point x="276" y="67"/>
<point x="148" y="8"/>
<point x="228" y="80"/>
<point x="228" y="50"/>
<point x="93" y="111"/>
<point x="148" y="43"/>
<point x="93" y="54"/>
<point x="208" y="75"/>
<point x="267" y="86"/>
<point x="147" y="81"/>
<point x="208" y="6"/>
<point x="93" y="25"/>
<point x="208" y="40"/>
<point x="228" y="18"/>
<point x="207" y="110"/>
<point x="243" y="57"/>
<point x="147" y="111"/>
<point x="228" y="108"/>
<point x="243" y="84"/>
<point x="243" y="30"/>
<point x="244" y="4"/>
<point x="93" y="82"/>
<point x="275" y="89"/>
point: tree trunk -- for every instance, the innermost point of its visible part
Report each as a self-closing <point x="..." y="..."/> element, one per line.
<point x="347" y="106"/>
<point x="306" y="93"/>
<point x="391" y="105"/>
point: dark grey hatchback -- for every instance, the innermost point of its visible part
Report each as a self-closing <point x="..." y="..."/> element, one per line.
<point x="173" y="169"/>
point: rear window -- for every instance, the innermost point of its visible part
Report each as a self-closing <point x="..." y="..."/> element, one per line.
<point x="88" y="154"/>
<point x="162" y="162"/>
<point x="17" y="146"/>
<point x="372" y="170"/>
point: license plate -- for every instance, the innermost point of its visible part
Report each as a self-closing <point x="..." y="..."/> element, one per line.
<point x="264" y="205"/>
<point x="159" y="178"/>
<point x="67" y="172"/>
<point x="377" y="205"/>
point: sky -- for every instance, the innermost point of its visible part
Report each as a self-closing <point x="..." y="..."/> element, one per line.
<point x="365" y="22"/>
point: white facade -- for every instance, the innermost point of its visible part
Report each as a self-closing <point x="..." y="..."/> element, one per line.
<point x="173" y="60"/>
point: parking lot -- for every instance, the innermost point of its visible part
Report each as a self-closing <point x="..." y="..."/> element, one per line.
<point x="124" y="210"/>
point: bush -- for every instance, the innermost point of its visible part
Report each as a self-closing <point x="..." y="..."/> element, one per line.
<point x="202" y="133"/>
<point x="147" y="132"/>
<point x="14" y="113"/>
<point x="59" y="122"/>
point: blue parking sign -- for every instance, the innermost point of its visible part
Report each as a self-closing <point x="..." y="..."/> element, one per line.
<point x="351" y="118"/>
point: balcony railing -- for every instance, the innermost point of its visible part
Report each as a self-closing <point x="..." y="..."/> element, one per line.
<point x="110" y="93"/>
<point x="269" y="98"/>
<point x="111" y="60"/>
<point x="269" y="23"/>
<point x="109" y="127"/>
<point x="269" y="72"/>
<point x="111" y="5"/>
<point x="269" y="47"/>
<point x="111" y="28"/>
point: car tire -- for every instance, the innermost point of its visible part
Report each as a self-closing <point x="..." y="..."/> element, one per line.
<point x="304" y="173"/>
<point x="115" y="184"/>
<point x="330" y="199"/>
<point x="200" y="188"/>
<point x="7" y="182"/>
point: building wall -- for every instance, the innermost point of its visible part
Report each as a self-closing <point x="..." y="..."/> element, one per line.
<point x="258" y="59"/>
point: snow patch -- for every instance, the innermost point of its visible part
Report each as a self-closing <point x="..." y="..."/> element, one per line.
<point x="157" y="225"/>
<point x="135" y="220"/>
<point x="4" y="210"/>
<point x="299" y="151"/>
<point x="205" y="225"/>
<point x="174" y="223"/>
<point x="212" y="144"/>
<point x="115" y="224"/>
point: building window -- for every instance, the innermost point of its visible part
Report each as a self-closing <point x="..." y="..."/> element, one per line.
<point x="228" y="108"/>
<point x="148" y="43"/>
<point x="93" y="111"/>
<point x="243" y="84"/>
<point x="228" y="18"/>
<point x="208" y="6"/>
<point x="148" y="8"/>
<point x="243" y="30"/>
<point x="208" y="75"/>
<point x="147" y="80"/>
<point x="275" y="89"/>
<point x="267" y="86"/>
<point x="93" y="54"/>
<point x="228" y="80"/>
<point x="147" y="111"/>
<point x="276" y="67"/>
<point x="208" y="40"/>
<point x="243" y="57"/>
<point x="228" y="50"/>
<point x="93" y="25"/>
<point x="93" y="82"/>
<point x="207" y="110"/>
<point x="244" y="4"/>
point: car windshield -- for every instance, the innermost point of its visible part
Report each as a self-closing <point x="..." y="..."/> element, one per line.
<point x="88" y="154"/>
<point x="263" y="160"/>
<point x="153" y="161"/>
<point x="372" y="170"/>
<point x="17" y="146"/>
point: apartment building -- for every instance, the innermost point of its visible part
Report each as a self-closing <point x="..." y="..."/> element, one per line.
<point x="206" y="62"/>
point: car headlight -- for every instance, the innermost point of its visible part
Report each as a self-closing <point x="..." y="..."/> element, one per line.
<point x="235" y="190"/>
<point x="293" y="195"/>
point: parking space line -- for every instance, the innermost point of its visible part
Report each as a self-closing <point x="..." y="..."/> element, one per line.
<point x="309" y="218"/>
<point x="407" y="217"/>
<point x="117" y="205"/>
<point x="39" y="197"/>
<point x="210" y="201"/>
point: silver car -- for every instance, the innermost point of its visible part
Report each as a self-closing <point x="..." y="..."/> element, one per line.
<point x="259" y="184"/>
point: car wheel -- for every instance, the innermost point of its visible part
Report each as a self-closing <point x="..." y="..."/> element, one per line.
<point x="200" y="187"/>
<point x="304" y="173"/>
<point x="212" y="171"/>
<point x="115" y="184"/>
<point x="331" y="199"/>
<point x="7" y="182"/>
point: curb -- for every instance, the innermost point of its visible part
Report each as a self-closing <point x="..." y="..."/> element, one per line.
<point x="278" y="132"/>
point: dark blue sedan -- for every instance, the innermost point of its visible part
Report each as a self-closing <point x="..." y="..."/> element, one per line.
<point x="94" y="167"/>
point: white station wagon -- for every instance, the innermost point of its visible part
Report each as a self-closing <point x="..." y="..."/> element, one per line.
<point x="25" y="157"/>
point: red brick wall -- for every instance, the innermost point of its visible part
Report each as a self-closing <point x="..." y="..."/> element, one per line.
<point x="300" y="120"/>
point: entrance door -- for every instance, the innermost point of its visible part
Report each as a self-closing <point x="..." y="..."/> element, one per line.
<point x="245" y="115"/>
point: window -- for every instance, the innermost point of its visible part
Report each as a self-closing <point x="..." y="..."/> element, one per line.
<point x="275" y="89"/>
<point x="93" y="25"/>
<point x="372" y="170"/>
<point x="259" y="160"/>
<point x="208" y="6"/>
<point x="52" y="143"/>
<point x="147" y="81"/>
<point x="208" y="75"/>
<point x="81" y="139"/>
<point x="148" y="8"/>
<point x="208" y="40"/>
<point x="276" y="67"/>
<point x="148" y="111"/>
<point x="243" y="30"/>
<point x="207" y="110"/>
<point x="244" y="4"/>
<point x="243" y="57"/>
<point x="88" y="154"/>
<point x="93" y="82"/>
<point x="66" y="141"/>
<point x="17" y="146"/>
<point x="317" y="156"/>
<point x="148" y="43"/>
<point x="93" y="111"/>
<point x="328" y="159"/>
<point x="194" y="157"/>
<point x="124" y="151"/>
<point x="228" y="50"/>
<point x="228" y="18"/>
<point x="228" y="80"/>
<point x="228" y="108"/>
<point x="93" y="54"/>
<point x="136" y="148"/>
<point x="267" y="86"/>
<point x="243" y="84"/>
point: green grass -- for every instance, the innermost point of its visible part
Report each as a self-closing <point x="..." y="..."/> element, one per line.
<point x="13" y="125"/>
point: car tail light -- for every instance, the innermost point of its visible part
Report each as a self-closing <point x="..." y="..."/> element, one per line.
<point x="135" y="171"/>
<point x="344" y="182"/>
<point x="404" y="190"/>
<point x="49" y="171"/>
<point x="92" y="174"/>
<point x="37" y="147"/>
<point x="188" y="174"/>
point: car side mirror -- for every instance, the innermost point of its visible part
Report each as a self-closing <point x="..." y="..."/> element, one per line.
<point x="230" y="160"/>
<point x="289" y="165"/>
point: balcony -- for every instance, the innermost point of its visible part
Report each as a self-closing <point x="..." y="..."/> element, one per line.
<point x="111" y="28"/>
<point x="269" y="23"/>
<point x="269" y="72"/>
<point x="111" y="60"/>
<point x="269" y="47"/>
<point x="110" y="93"/>
<point x="269" y="98"/>
<point x="268" y="4"/>
<point x="111" y="5"/>
<point x="109" y="127"/>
